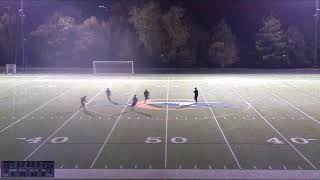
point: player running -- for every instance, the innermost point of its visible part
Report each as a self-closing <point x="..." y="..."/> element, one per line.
<point x="146" y="95"/>
<point x="196" y="95"/>
<point x="108" y="93"/>
<point x="134" y="101"/>
<point x="83" y="103"/>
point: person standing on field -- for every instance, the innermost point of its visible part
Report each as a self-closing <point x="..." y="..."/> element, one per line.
<point x="196" y="93"/>
<point x="146" y="95"/>
<point x="134" y="101"/>
<point x="108" y="93"/>
<point x="83" y="102"/>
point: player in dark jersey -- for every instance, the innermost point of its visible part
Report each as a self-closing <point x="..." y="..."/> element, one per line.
<point x="196" y="93"/>
<point x="83" y="103"/>
<point x="108" y="93"/>
<point x="146" y="95"/>
<point x="134" y="101"/>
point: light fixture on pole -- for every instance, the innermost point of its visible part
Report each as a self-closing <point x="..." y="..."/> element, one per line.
<point x="103" y="7"/>
<point x="106" y="8"/>
<point x="22" y="16"/>
<point x="315" y="61"/>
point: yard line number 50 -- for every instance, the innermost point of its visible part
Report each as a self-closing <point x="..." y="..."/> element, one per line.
<point x="157" y="140"/>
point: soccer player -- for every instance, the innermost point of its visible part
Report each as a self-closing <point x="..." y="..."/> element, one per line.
<point x="108" y="93"/>
<point x="196" y="95"/>
<point x="146" y="95"/>
<point x="83" y="103"/>
<point x="134" y="101"/>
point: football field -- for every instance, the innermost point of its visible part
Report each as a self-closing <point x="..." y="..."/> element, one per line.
<point x="244" y="125"/>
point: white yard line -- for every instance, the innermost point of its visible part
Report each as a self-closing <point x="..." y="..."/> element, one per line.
<point x="111" y="131"/>
<point x="20" y="84"/>
<point x="280" y="134"/>
<point x="43" y="105"/>
<point x="298" y="89"/>
<point x="167" y="116"/>
<point x="224" y="137"/>
<point x="295" y="107"/>
<point x="58" y="129"/>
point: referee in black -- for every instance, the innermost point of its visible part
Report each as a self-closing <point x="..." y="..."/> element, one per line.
<point x="196" y="93"/>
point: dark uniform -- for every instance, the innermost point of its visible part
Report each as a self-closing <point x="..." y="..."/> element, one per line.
<point x="196" y="93"/>
<point x="108" y="93"/>
<point x="146" y="95"/>
<point x="134" y="101"/>
<point x="83" y="102"/>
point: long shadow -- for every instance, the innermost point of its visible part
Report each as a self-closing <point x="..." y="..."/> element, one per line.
<point x="112" y="102"/>
<point x="132" y="110"/>
<point x="155" y="105"/>
<point x="141" y="113"/>
<point x="92" y="114"/>
<point x="185" y="106"/>
<point x="88" y="113"/>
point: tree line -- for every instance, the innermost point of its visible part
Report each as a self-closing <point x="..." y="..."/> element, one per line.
<point x="152" y="35"/>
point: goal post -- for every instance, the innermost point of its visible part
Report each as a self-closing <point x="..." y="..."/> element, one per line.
<point x="11" y="68"/>
<point x="113" y="67"/>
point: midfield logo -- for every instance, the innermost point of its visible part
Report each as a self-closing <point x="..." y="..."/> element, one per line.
<point x="180" y="104"/>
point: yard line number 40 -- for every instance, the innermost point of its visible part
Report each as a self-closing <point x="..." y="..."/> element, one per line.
<point x="296" y="140"/>
<point x="36" y="140"/>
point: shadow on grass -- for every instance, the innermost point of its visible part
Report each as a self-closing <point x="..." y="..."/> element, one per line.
<point x="186" y="106"/>
<point x="132" y="110"/>
<point x="88" y="113"/>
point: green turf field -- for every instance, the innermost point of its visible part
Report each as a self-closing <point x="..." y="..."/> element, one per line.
<point x="248" y="122"/>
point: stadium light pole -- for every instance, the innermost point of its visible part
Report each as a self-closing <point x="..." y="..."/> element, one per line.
<point x="8" y="8"/>
<point x="315" y="61"/>
<point x="103" y="7"/>
<point x="22" y="15"/>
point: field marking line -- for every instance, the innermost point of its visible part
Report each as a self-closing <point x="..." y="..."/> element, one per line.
<point x="162" y="80"/>
<point x="111" y="131"/>
<point x="43" y="105"/>
<point x="20" y="84"/>
<point x="295" y="107"/>
<point x="224" y="137"/>
<point x="184" y="174"/>
<point x="279" y="133"/>
<point x="167" y="117"/>
<point x="301" y="91"/>
<point x="9" y="82"/>
<point x="60" y="127"/>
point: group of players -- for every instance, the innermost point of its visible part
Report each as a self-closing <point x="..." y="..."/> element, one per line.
<point x="146" y="94"/>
